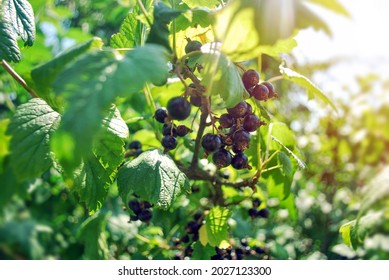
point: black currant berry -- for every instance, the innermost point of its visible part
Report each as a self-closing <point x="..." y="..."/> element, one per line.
<point x="195" y="100"/>
<point x="135" y="145"/>
<point x="259" y="250"/>
<point x="264" y="213"/>
<point x="182" y="130"/>
<point x="197" y="216"/>
<point x="251" y="123"/>
<point x="145" y="215"/>
<point x="250" y="78"/>
<point x="261" y="92"/>
<point x="253" y="213"/>
<point x="135" y="206"/>
<point x="239" y="161"/>
<point x="169" y="130"/>
<point x="221" y="158"/>
<point x="192" y="46"/>
<point x="169" y="142"/>
<point x="160" y="115"/>
<point x="239" y="110"/>
<point x="185" y="238"/>
<point x="216" y="257"/>
<point x="211" y="142"/>
<point x="134" y="218"/>
<point x="178" y="108"/>
<point x="241" y="140"/>
<point x="146" y="204"/>
<point x="192" y="227"/>
<point x="270" y="87"/>
<point x="256" y="202"/>
<point x="226" y="121"/>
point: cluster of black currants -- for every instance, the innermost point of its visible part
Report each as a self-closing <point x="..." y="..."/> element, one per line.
<point x="234" y="127"/>
<point x="134" y="149"/>
<point x="191" y="235"/>
<point x="178" y="108"/>
<point x="255" y="213"/>
<point x="142" y="210"/>
<point x="238" y="253"/>
<point x="260" y="91"/>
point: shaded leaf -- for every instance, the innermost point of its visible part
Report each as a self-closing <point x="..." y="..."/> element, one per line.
<point x="154" y="177"/>
<point x="31" y="128"/>
<point x="44" y="75"/>
<point x="97" y="172"/>
<point x="201" y="252"/>
<point x="303" y="81"/>
<point x="90" y="85"/>
<point x="93" y="233"/>
<point x="159" y="32"/>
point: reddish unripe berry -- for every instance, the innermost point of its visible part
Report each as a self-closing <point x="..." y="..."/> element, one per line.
<point x="239" y="111"/>
<point x="250" y="78"/>
<point x="261" y="92"/>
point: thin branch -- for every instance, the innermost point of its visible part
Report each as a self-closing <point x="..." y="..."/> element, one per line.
<point x="19" y="79"/>
<point x="142" y="7"/>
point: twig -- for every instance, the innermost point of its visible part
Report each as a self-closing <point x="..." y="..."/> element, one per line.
<point x="19" y="79"/>
<point x="142" y="7"/>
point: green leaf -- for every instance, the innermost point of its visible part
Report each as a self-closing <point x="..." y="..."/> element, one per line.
<point x="300" y="163"/>
<point x="20" y="15"/>
<point x="280" y="47"/>
<point x="201" y="252"/>
<point x="190" y="18"/>
<point x="305" y="18"/>
<point x="131" y="31"/>
<point x="44" y="75"/>
<point x="10" y="185"/>
<point x="202" y="3"/>
<point x="31" y="128"/>
<point x="97" y="172"/>
<point x="4" y="141"/>
<point x="286" y="164"/>
<point x="159" y="32"/>
<point x="217" y="226"/>
<point x="154" y="177"/>
<point x="222" y="77"/>
<point x="332" y="5"/>
<point x="90" y="85"/>
<point x="234" y="26"/>
<point x="303" y="81"/>
<point x="9" y="49"/>
<point x="93" y="234"/>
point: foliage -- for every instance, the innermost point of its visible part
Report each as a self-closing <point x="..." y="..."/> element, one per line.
<point x="67" y="168"/>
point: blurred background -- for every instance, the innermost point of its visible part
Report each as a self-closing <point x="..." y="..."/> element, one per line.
<point x="347" y="152"/>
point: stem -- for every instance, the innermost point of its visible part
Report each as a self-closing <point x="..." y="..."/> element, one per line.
<point x="19" y="79"/>
<point x="142" y="7"/>
<point x="200" y="132"/>
<point x="276" y="78"/>
<point x="174" y="33"/>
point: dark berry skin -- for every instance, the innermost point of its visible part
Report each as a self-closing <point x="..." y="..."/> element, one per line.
<point x="256" y="202"/>
<point x="178" y="108"/>
<point x="264" y="213"/>
<point x="253" y="213"/>
<point x="260" y="92"/>
<point x="169" y="142"/>
<point x="222" y="158"/>
<point x="182" y="130"/>
<point x="226" y="121"/>
<point x="135" y="206"/>
<point x="160" y="115"/>
<point x="195" y="100"/>
<point x="135" y="145"/>
<point x="250" y="78"/>
<point x="192" y="46"/>
<point x="211" y="142"/>
<point x="251" y="123"/>
<point x="168" y="130"/>
<point x="270" y="87"/>
<point x="185" y="238"/>
<point x="145" y="215"/>
<point x="192" y="227"/>
<point x="241" y="140"/>
<point x="239" y="111"/>
<point x="239" y="161"/>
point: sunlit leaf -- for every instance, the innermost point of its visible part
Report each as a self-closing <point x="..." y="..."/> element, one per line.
<point x="216" y="226"/>
<point x="312" y="89"/>
<point x="332" y="5"/>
